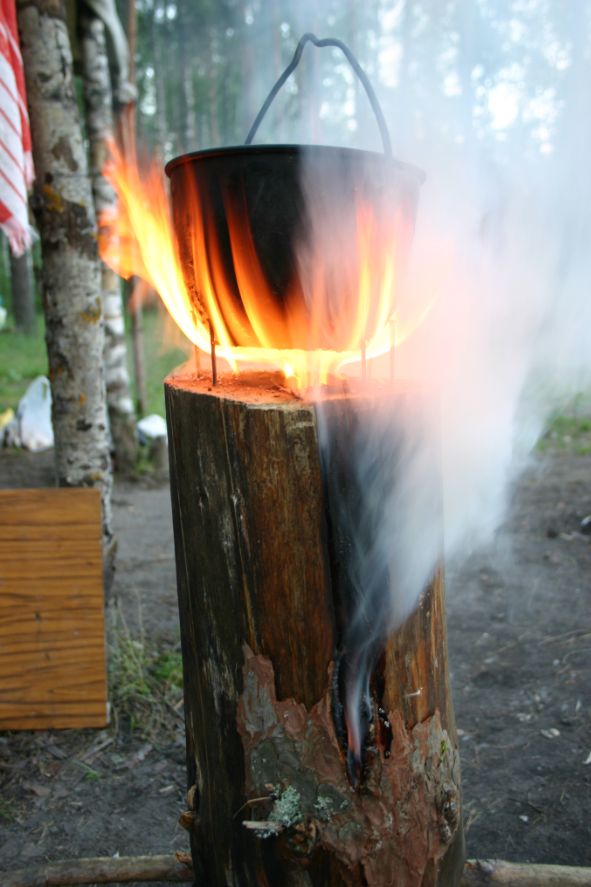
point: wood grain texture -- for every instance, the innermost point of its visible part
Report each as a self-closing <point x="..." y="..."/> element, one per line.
<point x="262" y="607"/>
<point x="52" y="635"/>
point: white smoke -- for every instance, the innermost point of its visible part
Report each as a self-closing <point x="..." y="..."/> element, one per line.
<point x="507" y="342"/>
<point x="501" y="249"/>
<point x="502" y="246"/>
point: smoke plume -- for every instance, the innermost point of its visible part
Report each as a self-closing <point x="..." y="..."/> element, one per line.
<point x="501" y="254"/>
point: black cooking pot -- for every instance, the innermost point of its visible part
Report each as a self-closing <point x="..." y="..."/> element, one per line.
<point x="278" y="194"/>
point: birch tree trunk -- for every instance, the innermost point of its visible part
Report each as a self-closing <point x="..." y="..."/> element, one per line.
<point x="99" y="121"/>
<point x="71" y="280"/>
<point x="127" y="130"/>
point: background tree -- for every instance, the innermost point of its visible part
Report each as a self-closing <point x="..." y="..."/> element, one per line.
<point x="490" y="73"/>
<point x="71" y="278"/>
<point x="98" y="95"/>
<point x="22" y="292"/>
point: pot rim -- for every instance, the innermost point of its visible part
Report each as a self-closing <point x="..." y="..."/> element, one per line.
<point x="294" y="150"/>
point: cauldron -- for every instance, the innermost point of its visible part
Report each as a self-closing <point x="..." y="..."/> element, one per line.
<point x="275" y="191"/>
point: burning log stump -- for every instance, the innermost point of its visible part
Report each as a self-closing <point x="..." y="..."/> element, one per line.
<point x="280" y="792"/>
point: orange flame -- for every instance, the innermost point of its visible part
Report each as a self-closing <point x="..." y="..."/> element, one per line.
<point x="311" y="336"/>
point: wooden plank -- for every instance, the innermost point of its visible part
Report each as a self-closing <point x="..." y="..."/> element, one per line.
<point x="52" y="635"/>
<point x="86" y="586"/>
<point x="52" y="546"/>
<point x="11" y="532"/>
<point x="53" y="632"/>
<point x="55" y="671"/>
<point x="60" y="505"/>
<point x="44" y="720"/>
<point x="40" y="569"/>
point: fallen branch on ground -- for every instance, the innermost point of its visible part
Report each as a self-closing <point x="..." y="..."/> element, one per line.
<point x="497" y="873"/>
<point x="103" y="870"/>
<point x="177" y="869"/>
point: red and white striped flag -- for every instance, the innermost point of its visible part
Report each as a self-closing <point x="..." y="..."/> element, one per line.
<point x="16" y="162"/>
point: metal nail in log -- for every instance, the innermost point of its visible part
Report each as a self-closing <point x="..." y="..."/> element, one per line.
<point x="321" y="745"/>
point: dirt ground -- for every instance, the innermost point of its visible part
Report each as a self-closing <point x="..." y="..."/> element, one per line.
<point x="519" y="626"/>
<point x="519" y="630"/>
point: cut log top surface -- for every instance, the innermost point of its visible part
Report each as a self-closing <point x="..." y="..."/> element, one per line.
<point x="251" y="388"/>
<point x="267" y="388"/>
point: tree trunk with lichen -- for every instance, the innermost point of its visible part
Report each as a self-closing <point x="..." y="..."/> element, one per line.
<point x="98" y="96"/>
<point x="71" y="279"/>
<point x="262" y="552"/>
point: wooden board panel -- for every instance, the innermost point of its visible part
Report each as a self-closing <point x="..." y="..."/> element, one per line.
<point x="52" y="632"/>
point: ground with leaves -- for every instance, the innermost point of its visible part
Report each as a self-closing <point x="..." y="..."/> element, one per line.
<point x="520" y="651"/>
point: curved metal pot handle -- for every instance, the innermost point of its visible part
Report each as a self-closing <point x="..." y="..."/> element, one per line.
<point x="328" y="41"/>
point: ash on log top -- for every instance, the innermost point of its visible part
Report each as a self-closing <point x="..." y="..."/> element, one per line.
<point x="264" y="539"/>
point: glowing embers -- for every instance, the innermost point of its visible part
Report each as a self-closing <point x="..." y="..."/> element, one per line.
<point x="361" y="722"/>
<point x="309" y="291"/>
<point x="353" y="716"/>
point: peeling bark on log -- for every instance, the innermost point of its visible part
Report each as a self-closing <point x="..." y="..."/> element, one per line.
<point x="259" y="613"/>
<point x="101" y="870"/>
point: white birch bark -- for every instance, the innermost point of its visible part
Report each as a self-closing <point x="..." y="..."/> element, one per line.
<point x="64" y="210"/>
<point x="99" y="121"/>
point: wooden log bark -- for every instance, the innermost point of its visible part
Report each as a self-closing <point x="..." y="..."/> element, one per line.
<point x="261" y="607"/>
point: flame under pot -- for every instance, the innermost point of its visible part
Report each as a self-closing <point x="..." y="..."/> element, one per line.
<point x="251" y="223"/>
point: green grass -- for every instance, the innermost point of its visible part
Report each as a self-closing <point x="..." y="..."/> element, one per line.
<point x="160" y="357"/>
<point x="22" y="358"/>
<point x="7" y="811"/>
<point x="571" y="426"/>
<point x="90" y="774"/>
<point x="568" y="434"/>
<point x="168" y="669"/>
<point x="143" y="684"/>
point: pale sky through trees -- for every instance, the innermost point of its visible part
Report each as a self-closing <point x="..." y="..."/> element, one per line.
<point x="499" y="72"/>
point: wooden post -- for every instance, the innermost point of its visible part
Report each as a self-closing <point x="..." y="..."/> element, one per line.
<point x="261" y="609"/>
